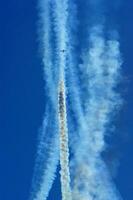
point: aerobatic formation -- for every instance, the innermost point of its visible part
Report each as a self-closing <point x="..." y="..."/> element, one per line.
<point x="82" y="68"/>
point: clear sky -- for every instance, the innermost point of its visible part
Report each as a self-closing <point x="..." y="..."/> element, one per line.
<point x="22" y="101"/>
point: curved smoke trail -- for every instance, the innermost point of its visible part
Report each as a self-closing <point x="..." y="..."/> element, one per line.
<point x="90" y="74"/>
<point x="102" y="68"/>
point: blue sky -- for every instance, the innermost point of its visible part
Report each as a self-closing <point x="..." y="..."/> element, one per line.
<point x="22" y="101"/>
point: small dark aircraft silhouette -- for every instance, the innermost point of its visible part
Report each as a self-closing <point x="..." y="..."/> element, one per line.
<point x="63" y="50"/>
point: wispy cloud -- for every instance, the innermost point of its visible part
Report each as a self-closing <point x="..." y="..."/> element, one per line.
<point x="101" y="71"/>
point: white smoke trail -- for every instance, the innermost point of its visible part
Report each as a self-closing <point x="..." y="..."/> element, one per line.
<point x="64" y="150"/>
<point x="47" y="156"/>
<point x="73" y="86"/>
<point x="41" y="190"/>
<point x="45" y="34"/>
<point x="60" y="15"/>
<point x="102" y="66"/>
<point x="92" y="107"/>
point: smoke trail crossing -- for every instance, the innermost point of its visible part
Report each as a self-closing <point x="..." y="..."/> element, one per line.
<point x="91" y="97"/>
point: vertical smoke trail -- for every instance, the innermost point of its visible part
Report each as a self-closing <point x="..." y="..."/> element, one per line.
<point x="64" y="151"/>
<point x="76" y="115"/>
<point x="93" y="100"/>
<point x="47" y="156"/>
<point x="45" y="34"/>
<point x="60" y="14"/>
<point x="46" y="153"/>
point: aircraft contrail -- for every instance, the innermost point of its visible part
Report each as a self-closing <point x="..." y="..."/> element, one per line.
<point x="47" y="158"/>
<point x="64" y="149"/>
<point x="60" y="15"/>
<point x="83" y="118"/>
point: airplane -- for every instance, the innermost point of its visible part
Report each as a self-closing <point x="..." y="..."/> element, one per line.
<point x="63" y="50"/>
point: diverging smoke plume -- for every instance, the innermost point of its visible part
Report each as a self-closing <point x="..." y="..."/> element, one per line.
<point x="101" y="71"/>
<point x="82" y="61"/>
